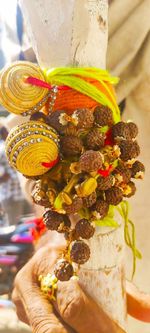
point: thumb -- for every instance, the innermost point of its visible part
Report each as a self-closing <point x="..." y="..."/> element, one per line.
<point x="138" y="303"/>
<point x="80" y="312"/>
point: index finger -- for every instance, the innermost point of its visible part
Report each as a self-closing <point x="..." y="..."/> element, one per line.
<point x="39" y="310"/>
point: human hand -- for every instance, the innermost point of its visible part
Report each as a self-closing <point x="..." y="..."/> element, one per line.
<point x="73" y="310"/>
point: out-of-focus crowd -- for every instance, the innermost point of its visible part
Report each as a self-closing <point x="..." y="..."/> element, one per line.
<point x="13" y="204"/>
<point x="14" y="45"/>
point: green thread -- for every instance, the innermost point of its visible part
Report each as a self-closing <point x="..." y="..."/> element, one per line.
<point x="84" y="213"/>
<point x="75" y="79"/>
<point x="130" y="236"/>
<point x="108" y="221"/>
<point x="129" y="228"/>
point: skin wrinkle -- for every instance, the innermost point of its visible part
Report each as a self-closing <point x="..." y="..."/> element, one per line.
<point x="29" y="291"/>
<point x="56" y="312"/>
<point x="83" y="307"/>
<point x="22" y="315"/>
<point x="43" y="325"/>
<point x="40" y="317"/>
<point x="73" y="306"/>
<point x="20" y="311"/>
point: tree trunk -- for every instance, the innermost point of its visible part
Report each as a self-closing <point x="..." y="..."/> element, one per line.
<point x="74" y="32"/>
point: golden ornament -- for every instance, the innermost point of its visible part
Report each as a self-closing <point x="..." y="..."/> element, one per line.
<point x="48" y="285"/>
<point x="18" y="96"/>
<point x="32" y="148"/>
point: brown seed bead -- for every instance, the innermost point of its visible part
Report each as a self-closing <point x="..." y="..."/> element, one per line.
<point x="129" y="149"/>
<point x="63" y="270"/>
<point x="101" y="208"/>
<point x="84" y="118"/>
<point x="104" y="183"/>
<point x="103" y="116"/>
<point x="84" y="229"/>
<point x="138" y="170"/>
<point x="71" y="145"/>
<point x="53" y="220"/>
<point x="123" y="174"/>
<point x="114" y="195"/>
<point x="71" y="235"/>
<point x="74" y="207"/>
<point x="90" y="161"/>
<point x="121" y="131"/>
<point x="39" y="196"/>
<point x="65" y="226"/>
<point x="80" y="252"/>
<point x="90" y="200"/>
<point x="132" y="188"/>
<point x="95" y="140"/>
<point x="39" y="116"/>
<point x="133" y="129"/>
<point x="54" y="120"/>
<point x="71" y="129"/>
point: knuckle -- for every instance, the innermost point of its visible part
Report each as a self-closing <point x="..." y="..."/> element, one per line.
<point x="19" y="307"/>
<point x="74" y="308"/>
<point x="19" y="279"/>
<point x="14" y="296"/>
<point x="45" y="325"/>
<point x="23" y="276"/>
<point x="19" y="315"/>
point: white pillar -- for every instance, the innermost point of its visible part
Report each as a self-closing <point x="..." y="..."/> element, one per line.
<point x="74" y="32"/>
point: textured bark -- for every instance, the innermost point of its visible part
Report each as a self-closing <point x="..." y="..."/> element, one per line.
<point x="65" y="33"/>
<point x="74" y="32"/>
<point x="103" y="276"/>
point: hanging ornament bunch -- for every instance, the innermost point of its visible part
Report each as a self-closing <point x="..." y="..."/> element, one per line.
<point x="82" y="157"/>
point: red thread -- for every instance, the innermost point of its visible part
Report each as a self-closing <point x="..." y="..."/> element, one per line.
<point x="50" y="165"/>
<point x="64" y="88"/>
<point x="40" y="83"/>
<point x="106" y="172"/>
<point x="37" y="82"/>
<point x="109" y="139"/>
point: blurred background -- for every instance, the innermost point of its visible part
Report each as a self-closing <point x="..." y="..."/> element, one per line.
<point x="128" y="57"/>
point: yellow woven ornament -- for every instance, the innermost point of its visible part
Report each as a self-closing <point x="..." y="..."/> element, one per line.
<point x="18" y="96"/>
<point x="48" y="285"/>
<point x="32" y="148"/>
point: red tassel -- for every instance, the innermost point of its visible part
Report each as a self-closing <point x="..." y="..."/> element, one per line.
<point x="37" y="82"/>
<point x="50" y="165"/>
<point x="109" y="140"/>
<point x="106" y="172"/>
<point x="40" y="83"/>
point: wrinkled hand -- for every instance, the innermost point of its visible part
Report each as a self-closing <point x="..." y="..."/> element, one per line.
<point x="73" y="310"/>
